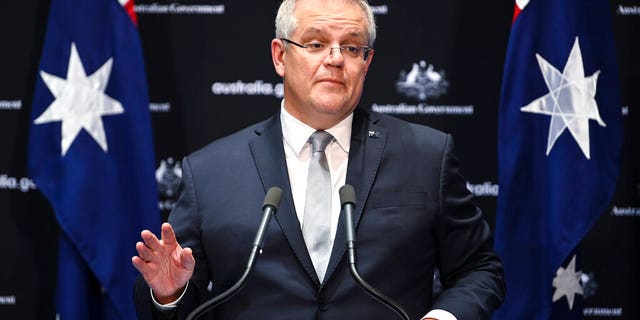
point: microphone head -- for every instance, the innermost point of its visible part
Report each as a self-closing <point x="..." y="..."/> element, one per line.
<point x="273" y="197"/>
<point x="347" y="195"/>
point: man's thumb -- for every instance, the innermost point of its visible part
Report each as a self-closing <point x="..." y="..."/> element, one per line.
<point x="186" y="259"/>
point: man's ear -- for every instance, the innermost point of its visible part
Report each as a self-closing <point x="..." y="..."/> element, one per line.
<point x="277" y="55"/>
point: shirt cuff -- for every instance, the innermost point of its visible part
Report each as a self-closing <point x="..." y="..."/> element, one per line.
<point x="171" y="305"/>
<point x="440" y="315"/>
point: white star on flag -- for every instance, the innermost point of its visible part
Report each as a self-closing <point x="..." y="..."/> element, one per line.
<point x="570" y="101"/>
<point x="80" y="101"/>
<point x="567" y="283"/>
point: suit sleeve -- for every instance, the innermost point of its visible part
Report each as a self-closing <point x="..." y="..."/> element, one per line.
<point x="185" y="221"/>
<point x="471" y="272"/>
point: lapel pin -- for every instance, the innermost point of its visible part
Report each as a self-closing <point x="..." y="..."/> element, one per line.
<point x="374" y="134"/>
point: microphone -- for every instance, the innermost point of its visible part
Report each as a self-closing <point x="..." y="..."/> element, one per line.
<point x="269" y="208"/>
<point x="348" y="202"/>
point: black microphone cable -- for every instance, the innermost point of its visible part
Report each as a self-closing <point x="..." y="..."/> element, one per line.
<point x="269" y="208"/>
<point x="348" y="201"/>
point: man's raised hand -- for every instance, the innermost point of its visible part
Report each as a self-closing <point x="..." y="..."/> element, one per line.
<point x="164" y="264"/>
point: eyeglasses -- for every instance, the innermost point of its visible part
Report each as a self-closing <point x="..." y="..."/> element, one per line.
<point x="320" y="50"/>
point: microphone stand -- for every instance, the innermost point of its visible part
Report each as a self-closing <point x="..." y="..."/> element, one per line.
<point x="348" y="200"/>
<point x="270" y="206"/>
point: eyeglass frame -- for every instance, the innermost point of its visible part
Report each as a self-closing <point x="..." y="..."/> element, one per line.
<point x="366" y="50"/>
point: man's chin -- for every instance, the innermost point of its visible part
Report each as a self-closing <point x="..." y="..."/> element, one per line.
<point x="330" y="100"/>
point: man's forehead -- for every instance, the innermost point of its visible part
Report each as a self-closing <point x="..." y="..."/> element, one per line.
<point x="343" y="19"/>
<point x="346" y="31"/>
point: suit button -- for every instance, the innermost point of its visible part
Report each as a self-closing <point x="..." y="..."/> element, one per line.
<point x="323" y="305"/>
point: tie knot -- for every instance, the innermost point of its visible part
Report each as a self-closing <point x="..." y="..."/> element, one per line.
<point x="319" y="141"/>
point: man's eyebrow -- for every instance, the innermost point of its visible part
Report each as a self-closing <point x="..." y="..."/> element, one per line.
<point x="357" y="34"/>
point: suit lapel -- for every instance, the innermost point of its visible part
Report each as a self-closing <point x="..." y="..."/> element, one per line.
<point x="368" y="140"/>
<point x="268" y="154"/>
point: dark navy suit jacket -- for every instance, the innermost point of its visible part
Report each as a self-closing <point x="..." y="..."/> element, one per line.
<point x="413" y="213"/>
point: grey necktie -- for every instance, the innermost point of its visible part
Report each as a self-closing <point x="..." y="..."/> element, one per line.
<point x="317" y="208"/>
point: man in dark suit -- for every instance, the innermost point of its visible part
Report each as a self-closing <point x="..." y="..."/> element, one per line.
<point x="413" y="210"/>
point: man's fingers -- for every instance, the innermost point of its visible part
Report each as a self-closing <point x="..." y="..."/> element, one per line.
<point x="168" y="236"/>
<point x="141" y="265"/>
<point x="144" y="251"/>
<point x="138" y="263"/>
<point x="150" y="239"/>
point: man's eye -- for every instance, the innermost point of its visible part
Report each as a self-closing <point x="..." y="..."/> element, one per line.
<point x="351" y="49"/>
<point x="315" y="45"/>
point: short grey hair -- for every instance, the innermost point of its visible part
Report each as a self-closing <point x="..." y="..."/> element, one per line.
<point x="286" y="21"/>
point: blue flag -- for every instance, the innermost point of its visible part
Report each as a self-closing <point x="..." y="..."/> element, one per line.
<point x="559" y="149"/>
<point x="91" y="153"/>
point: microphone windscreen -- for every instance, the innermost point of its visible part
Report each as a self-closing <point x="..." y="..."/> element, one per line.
<point x="347" y="195"/>
<point x="273" y="197"/>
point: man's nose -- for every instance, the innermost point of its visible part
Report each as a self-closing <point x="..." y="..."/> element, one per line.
<point x="335" y="59"/>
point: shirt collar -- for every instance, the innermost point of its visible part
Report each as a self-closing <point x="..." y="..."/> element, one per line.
<point x="296" y="133"/>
